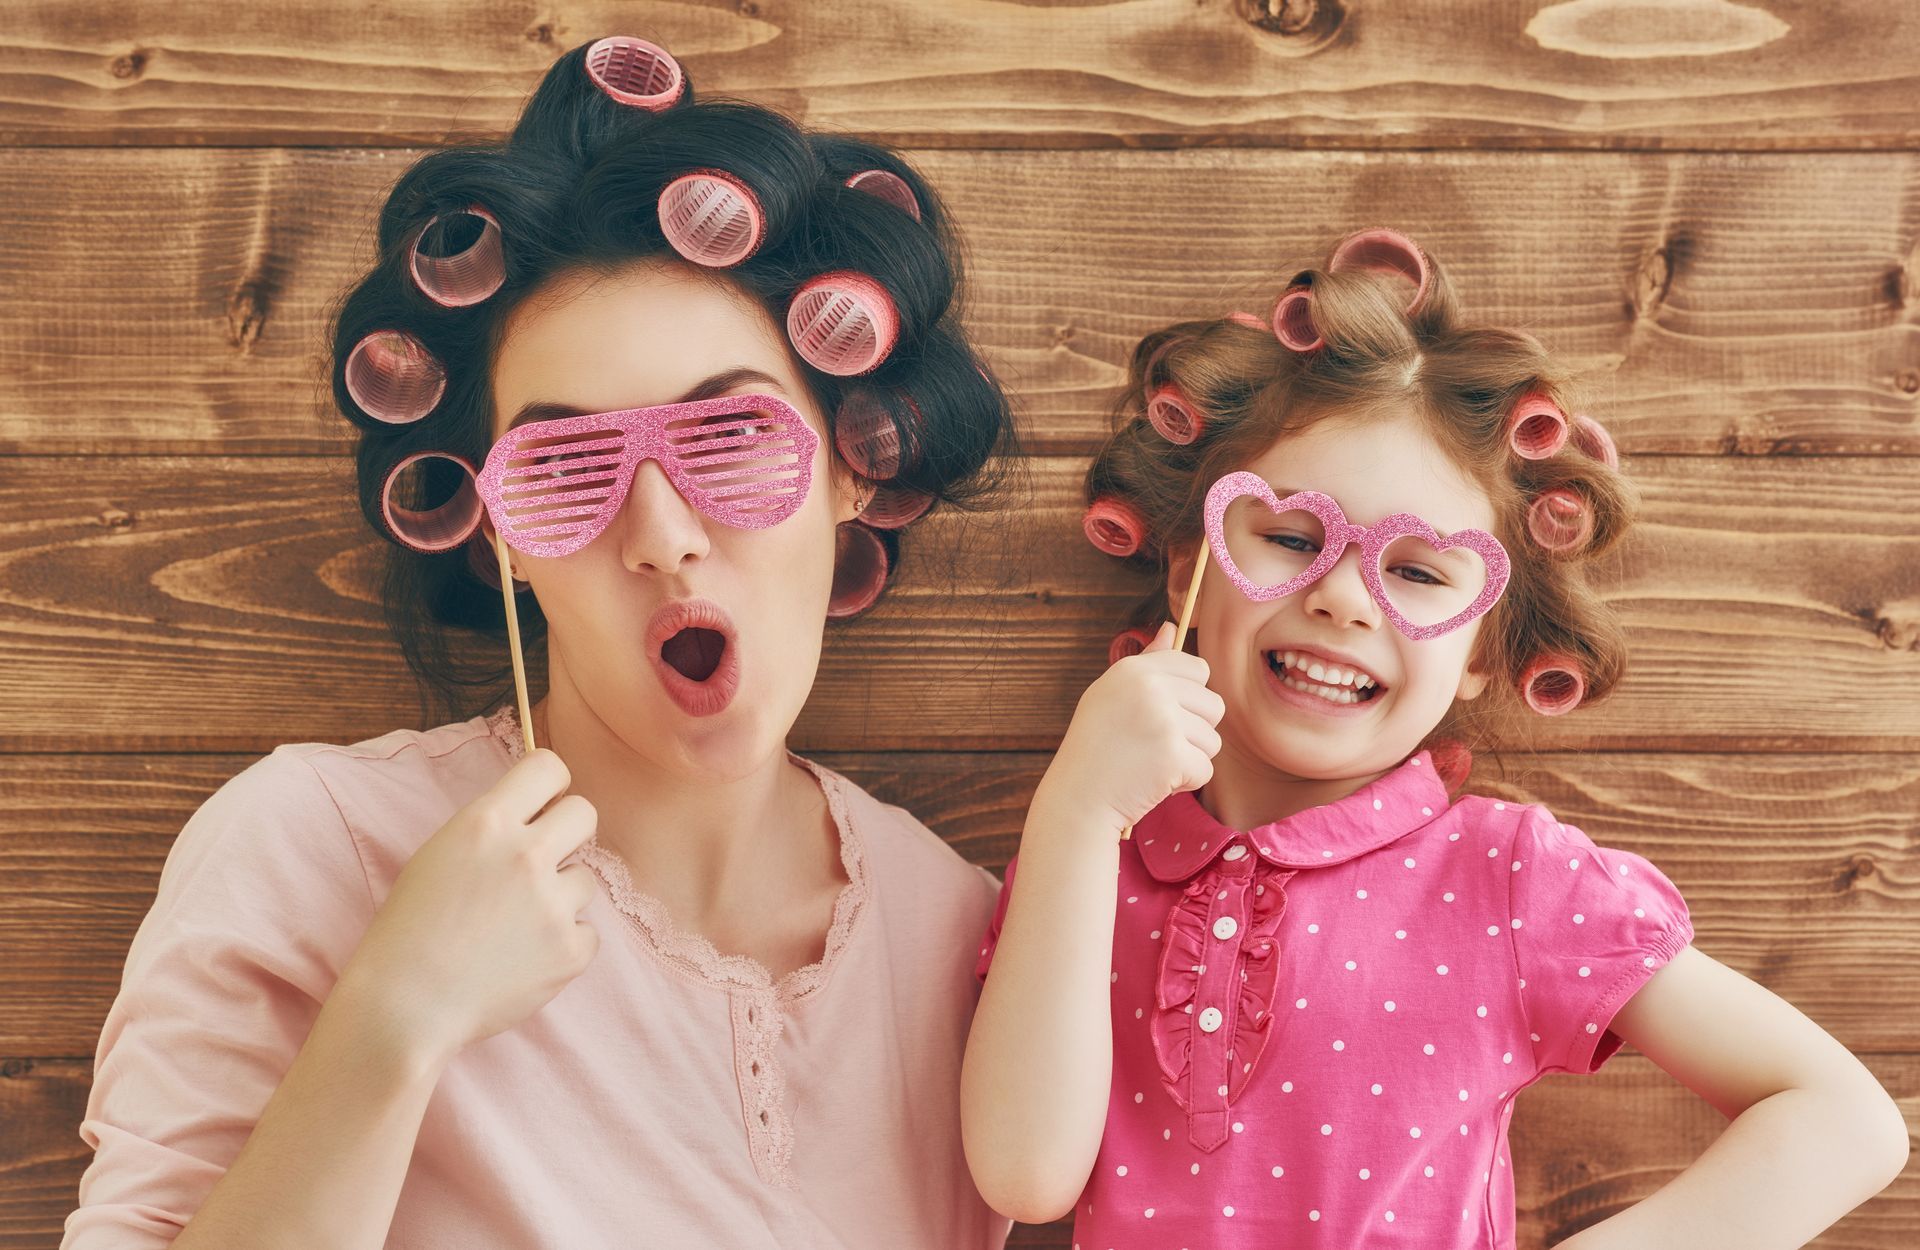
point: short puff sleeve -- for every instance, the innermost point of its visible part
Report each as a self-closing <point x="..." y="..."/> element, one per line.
<point x="262" y="899"/>
<point x="992" y="938"/>
<point x="1591" y="925"/>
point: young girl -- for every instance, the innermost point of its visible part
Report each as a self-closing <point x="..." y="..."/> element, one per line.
<point x="1302" y="1014"/>
<point x="701" y="367"/>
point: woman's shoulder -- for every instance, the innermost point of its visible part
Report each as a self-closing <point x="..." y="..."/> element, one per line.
<point x="900" y="849"/>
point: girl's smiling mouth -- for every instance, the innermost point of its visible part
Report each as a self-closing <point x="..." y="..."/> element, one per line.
<point x="1315" y="677"/>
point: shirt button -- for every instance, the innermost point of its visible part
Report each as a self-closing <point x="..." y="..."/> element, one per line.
<point x="1225" y="927"/>
<point x="1210" y="1020"/>
<point x="1236" y="851"/>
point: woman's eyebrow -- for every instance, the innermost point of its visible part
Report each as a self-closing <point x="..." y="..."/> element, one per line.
<point x="706" y="388"/>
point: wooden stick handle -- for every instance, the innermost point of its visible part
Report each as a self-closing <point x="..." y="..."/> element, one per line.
<point x="513" y="640"/>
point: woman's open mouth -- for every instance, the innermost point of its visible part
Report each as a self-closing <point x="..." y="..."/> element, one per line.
<point x="696" y="654"/>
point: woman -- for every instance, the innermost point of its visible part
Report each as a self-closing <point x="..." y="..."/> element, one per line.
<point x="373" y="1004"/>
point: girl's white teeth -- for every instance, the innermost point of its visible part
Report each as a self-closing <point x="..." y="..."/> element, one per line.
<point x="1331" y="674"/>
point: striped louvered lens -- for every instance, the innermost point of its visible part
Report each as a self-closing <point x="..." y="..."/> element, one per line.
<point x="554" y="486"/>
<point x="751" y="468"/>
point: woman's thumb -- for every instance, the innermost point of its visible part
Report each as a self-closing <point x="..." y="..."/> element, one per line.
<point x="1162" y="641"/>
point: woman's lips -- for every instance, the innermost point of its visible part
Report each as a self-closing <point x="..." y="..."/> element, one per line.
<point x="699" y="636"/>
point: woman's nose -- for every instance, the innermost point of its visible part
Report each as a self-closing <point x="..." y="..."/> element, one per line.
<point x="658" y="528"/>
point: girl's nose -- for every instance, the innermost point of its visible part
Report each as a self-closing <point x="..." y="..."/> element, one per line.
<point x="658" y="528"/>
<point x="1342" y="594"/>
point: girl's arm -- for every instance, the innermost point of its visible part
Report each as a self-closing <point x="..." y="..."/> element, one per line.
<point x="1039" y="1062"/>
<point x="1813" y="1133"/>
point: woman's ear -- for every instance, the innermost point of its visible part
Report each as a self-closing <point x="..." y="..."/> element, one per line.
<point x="851" y="492"/>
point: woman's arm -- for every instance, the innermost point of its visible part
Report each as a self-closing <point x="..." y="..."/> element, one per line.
<point x="1813" y="1133"/>
<point x="1039" y="1062"/>
<point x="324" y="1164"/>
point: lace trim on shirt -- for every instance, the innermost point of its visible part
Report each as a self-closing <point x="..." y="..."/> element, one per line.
<point x="755" y="1002"/>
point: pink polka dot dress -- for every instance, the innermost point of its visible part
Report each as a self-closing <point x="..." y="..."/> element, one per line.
<point x="1320" y="1025"/>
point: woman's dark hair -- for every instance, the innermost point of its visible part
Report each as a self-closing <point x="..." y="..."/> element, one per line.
<point x="574" y="189"/>
<point x="1551" y="634"/>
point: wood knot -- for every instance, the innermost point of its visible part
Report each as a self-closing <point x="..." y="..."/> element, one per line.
<point x="1908" y="380"/>
<point x="129" y="65"/>
<point x="1304" y="24"/>
<point x="13" y="1069"/>
<point x="1652" y="279"/>
<point x="116" y="518"/>
<point x="246" y="315"/>
<point x="1857" y="868"/>
<point x="543" y="33"/>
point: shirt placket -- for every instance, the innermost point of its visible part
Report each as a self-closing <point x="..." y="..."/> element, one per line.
<point x="1217" y="995"/>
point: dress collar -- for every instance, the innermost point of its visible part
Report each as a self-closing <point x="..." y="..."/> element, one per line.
<point x="1180" y="837"/>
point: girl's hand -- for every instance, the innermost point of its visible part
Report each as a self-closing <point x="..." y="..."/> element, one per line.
<point x="481" y="930"/>
<point x="1142" y="731"/>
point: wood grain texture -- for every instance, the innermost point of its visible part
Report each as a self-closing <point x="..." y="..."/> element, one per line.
<point x="174" y="302"/>
<point x="1801" y="871"/>
<point x="1055" y="73"/>
<point x="162" y="604"/>
<point x="1583" y="1148"/>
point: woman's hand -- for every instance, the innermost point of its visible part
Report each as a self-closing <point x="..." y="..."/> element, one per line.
<point x="1145" y="729"/>
<point x="481" y="928"/>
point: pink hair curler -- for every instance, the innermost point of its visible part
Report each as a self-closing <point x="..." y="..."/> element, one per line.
<point x="1537" y="428"/>
<point x="1170" y="412"/>
<point x="442" y="527"/>
<point x="712" y="218"/>
<point x="1378" y="250"/>
<point x="1553" y="685"/>
<point x="636" y="72"/>
<point x="895" y="507"/>
<point x="1385" y="251"/>
<point x="1114" y="526"/>
<point x="1293" y="319"/>
<point x="1127" y="642"/>
<point x="455" y="277"/>
<point x="1452" y="762"/>
<point x="1591" y="437"/>
<point x="867" y="434"/>
<point x="1250" y="320"/>
<point x="843" y="323"/>
<point x="860" y="568"/>
<point x="886" y="185"/>
<point x="393" y="378"/>
<point x="1559" y="520"/>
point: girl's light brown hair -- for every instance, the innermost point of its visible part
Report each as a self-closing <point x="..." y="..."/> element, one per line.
<point x="1248" y="390"/>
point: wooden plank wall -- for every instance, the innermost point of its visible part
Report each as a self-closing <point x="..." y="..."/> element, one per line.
<point x="1712" y="207"/>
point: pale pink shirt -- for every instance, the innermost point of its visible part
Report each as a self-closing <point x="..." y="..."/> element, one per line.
<point x="670" y="1094"/>
<point x="1320" y="1025"/>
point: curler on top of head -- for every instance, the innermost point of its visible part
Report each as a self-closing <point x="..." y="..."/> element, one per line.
<point x="1537" y="428"/>
<point x="1174" y="416"/>
<point x="711" y="218"/>
<point x="456" y="258"/>
<point x="1592" y="438"/>
<point x="1385" y="251"/>
<point x="636" y="72"/>
<point x="392" y="378"/>
<point x="1378" y="250"/>
<point x="843" y="323"/>
<point x="1553" y="684"/>
<point x="1114" y="526"/>
<point x="886" y="185"/>
<point x="444" y="525"/>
